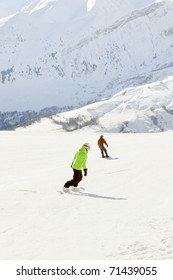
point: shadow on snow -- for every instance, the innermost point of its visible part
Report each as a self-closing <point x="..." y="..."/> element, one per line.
<point x="98" y="196"/>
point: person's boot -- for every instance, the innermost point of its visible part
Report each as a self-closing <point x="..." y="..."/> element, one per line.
<point x="66" y="190"/>
<point x="66" y="187"/>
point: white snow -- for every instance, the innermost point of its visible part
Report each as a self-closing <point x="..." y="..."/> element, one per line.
<point x="125" y="211"/>
<point x="8" y="7"/>
<point x="90" y="4"/>
<point x="146" y="108"/>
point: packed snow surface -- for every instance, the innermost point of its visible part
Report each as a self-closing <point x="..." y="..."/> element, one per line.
<point x="125" y="211"/>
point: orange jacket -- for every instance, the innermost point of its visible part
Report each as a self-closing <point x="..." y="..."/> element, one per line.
<point x="101" y="142"/>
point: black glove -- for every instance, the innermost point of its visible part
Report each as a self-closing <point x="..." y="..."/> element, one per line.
<point x="85" y="172"/>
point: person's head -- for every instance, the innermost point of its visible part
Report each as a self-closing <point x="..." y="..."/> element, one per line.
<point x="86" y="146"/>
<point x="101" y="136"/>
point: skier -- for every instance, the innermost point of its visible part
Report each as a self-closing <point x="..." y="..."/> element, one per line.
<point x="101" y="142"/>
<point x="78" y="165"/>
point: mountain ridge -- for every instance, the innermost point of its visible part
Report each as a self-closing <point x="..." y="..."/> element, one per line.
<point x="53" y="69"/>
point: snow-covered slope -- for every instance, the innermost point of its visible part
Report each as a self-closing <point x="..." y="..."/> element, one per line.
<point x="8" y="7"/>
<point x="146" y="108"/>
<point x="126" y="211"/>
<point x="56" y="52"/>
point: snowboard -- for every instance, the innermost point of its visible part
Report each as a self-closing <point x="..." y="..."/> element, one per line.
<point x="76" y="191"/>
<point x="110" y="158"/>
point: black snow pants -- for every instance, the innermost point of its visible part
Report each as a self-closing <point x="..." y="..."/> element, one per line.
<point x="77" y="177"/>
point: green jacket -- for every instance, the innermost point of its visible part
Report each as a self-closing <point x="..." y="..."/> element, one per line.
<point x="80" y="158"/>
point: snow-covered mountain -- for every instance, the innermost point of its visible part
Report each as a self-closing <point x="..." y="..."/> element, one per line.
<point x="8" y="7"/>
<point x="61" y="53"/>
<point x="146" y="108"/>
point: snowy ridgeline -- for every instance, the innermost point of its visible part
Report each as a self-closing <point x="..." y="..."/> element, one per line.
<point x="146" y="108"/>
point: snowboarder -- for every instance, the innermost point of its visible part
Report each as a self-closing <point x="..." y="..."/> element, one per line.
<point x="101" y="142"/>
<point x="78" y="165"/>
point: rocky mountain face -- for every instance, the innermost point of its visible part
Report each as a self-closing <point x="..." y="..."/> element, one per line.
<point x="55" y="53"/>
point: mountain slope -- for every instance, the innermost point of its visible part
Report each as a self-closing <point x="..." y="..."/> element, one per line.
<point x="41" y="66"/>
<point x="8" y="7"/>
<point x="146" y="108"/>
<point x="125" y="212"/>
